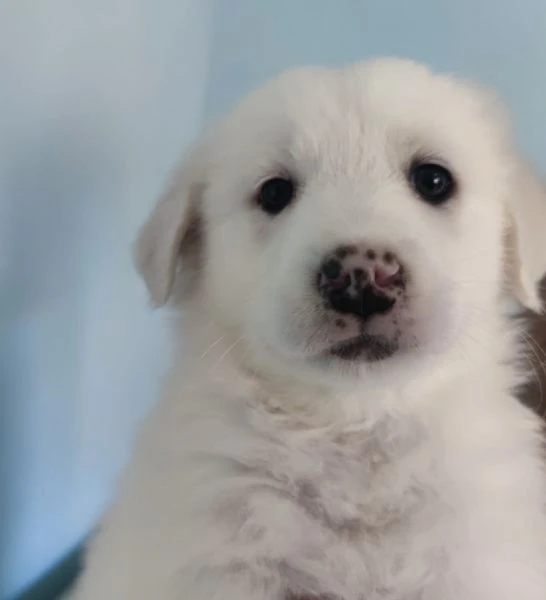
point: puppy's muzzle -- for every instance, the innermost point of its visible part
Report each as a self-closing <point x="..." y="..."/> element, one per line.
<point x="360" y="280"/>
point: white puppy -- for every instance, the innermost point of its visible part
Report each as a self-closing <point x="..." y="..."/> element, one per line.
<point x="341" y="419"/>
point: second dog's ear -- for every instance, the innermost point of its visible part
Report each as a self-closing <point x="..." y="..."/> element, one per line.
<point x="526" y="236"/>
<point x="173" y="230"/>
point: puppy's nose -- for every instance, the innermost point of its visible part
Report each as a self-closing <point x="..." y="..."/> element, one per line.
<point x="360" y="280"/>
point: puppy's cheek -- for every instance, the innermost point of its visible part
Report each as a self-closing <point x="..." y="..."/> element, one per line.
<point x="438" y="326"/>
<point x="281" y="322"/>
<point x="263" y="325"/>
<point x="231" y="291"/>
<point x="281" y="328"/>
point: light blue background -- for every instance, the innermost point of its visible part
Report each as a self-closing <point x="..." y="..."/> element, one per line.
<point x="97" y="99"/>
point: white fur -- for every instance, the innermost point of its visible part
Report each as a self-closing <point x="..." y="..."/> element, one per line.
<point x="266" y="473"/>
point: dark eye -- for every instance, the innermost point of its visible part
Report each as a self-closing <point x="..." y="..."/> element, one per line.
<point x="434" y="183"/>
<point x="276" y="194"/>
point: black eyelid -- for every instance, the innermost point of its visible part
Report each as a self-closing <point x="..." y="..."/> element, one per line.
<point x="429" y="159"/>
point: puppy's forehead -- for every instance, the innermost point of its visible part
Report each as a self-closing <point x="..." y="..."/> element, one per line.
<point x="376" y="105"/>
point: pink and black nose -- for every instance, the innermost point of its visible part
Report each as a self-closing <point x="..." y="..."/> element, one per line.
<point x="360" y="280"/>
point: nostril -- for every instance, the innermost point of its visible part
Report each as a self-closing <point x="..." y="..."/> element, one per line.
<point x="331" y="269"/>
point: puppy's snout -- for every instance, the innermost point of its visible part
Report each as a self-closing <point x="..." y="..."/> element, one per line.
<point x="361" y="280"/>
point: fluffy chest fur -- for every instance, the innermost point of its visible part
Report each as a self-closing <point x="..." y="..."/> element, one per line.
<point x="346" y="511"/>
<point x="343" y="512"/>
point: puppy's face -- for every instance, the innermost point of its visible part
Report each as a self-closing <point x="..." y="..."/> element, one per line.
<point x="351" y="218"/>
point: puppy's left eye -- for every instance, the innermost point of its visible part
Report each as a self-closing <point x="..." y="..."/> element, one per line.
<point x="276" y="194"/>
<point x="434" y="183"/>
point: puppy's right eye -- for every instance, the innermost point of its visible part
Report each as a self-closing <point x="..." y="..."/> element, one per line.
<point x="276" y="194"/>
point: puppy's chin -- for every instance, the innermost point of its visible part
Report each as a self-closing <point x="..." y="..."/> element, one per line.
<point x="337" y="363"/>
<point x="364" y="347"/>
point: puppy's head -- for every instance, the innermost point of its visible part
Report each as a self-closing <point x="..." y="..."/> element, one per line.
<point x="351" y="218"/>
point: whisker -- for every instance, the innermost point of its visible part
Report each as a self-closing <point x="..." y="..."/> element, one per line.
<point x="211" y="347"/>
<point x="225" y="354"/>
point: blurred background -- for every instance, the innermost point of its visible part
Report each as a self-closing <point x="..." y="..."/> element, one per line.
<point x="98" y="99"/>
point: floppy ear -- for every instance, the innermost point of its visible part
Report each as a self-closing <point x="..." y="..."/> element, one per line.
<point x="526" y="236"/>
<point x="173" y="230"/>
